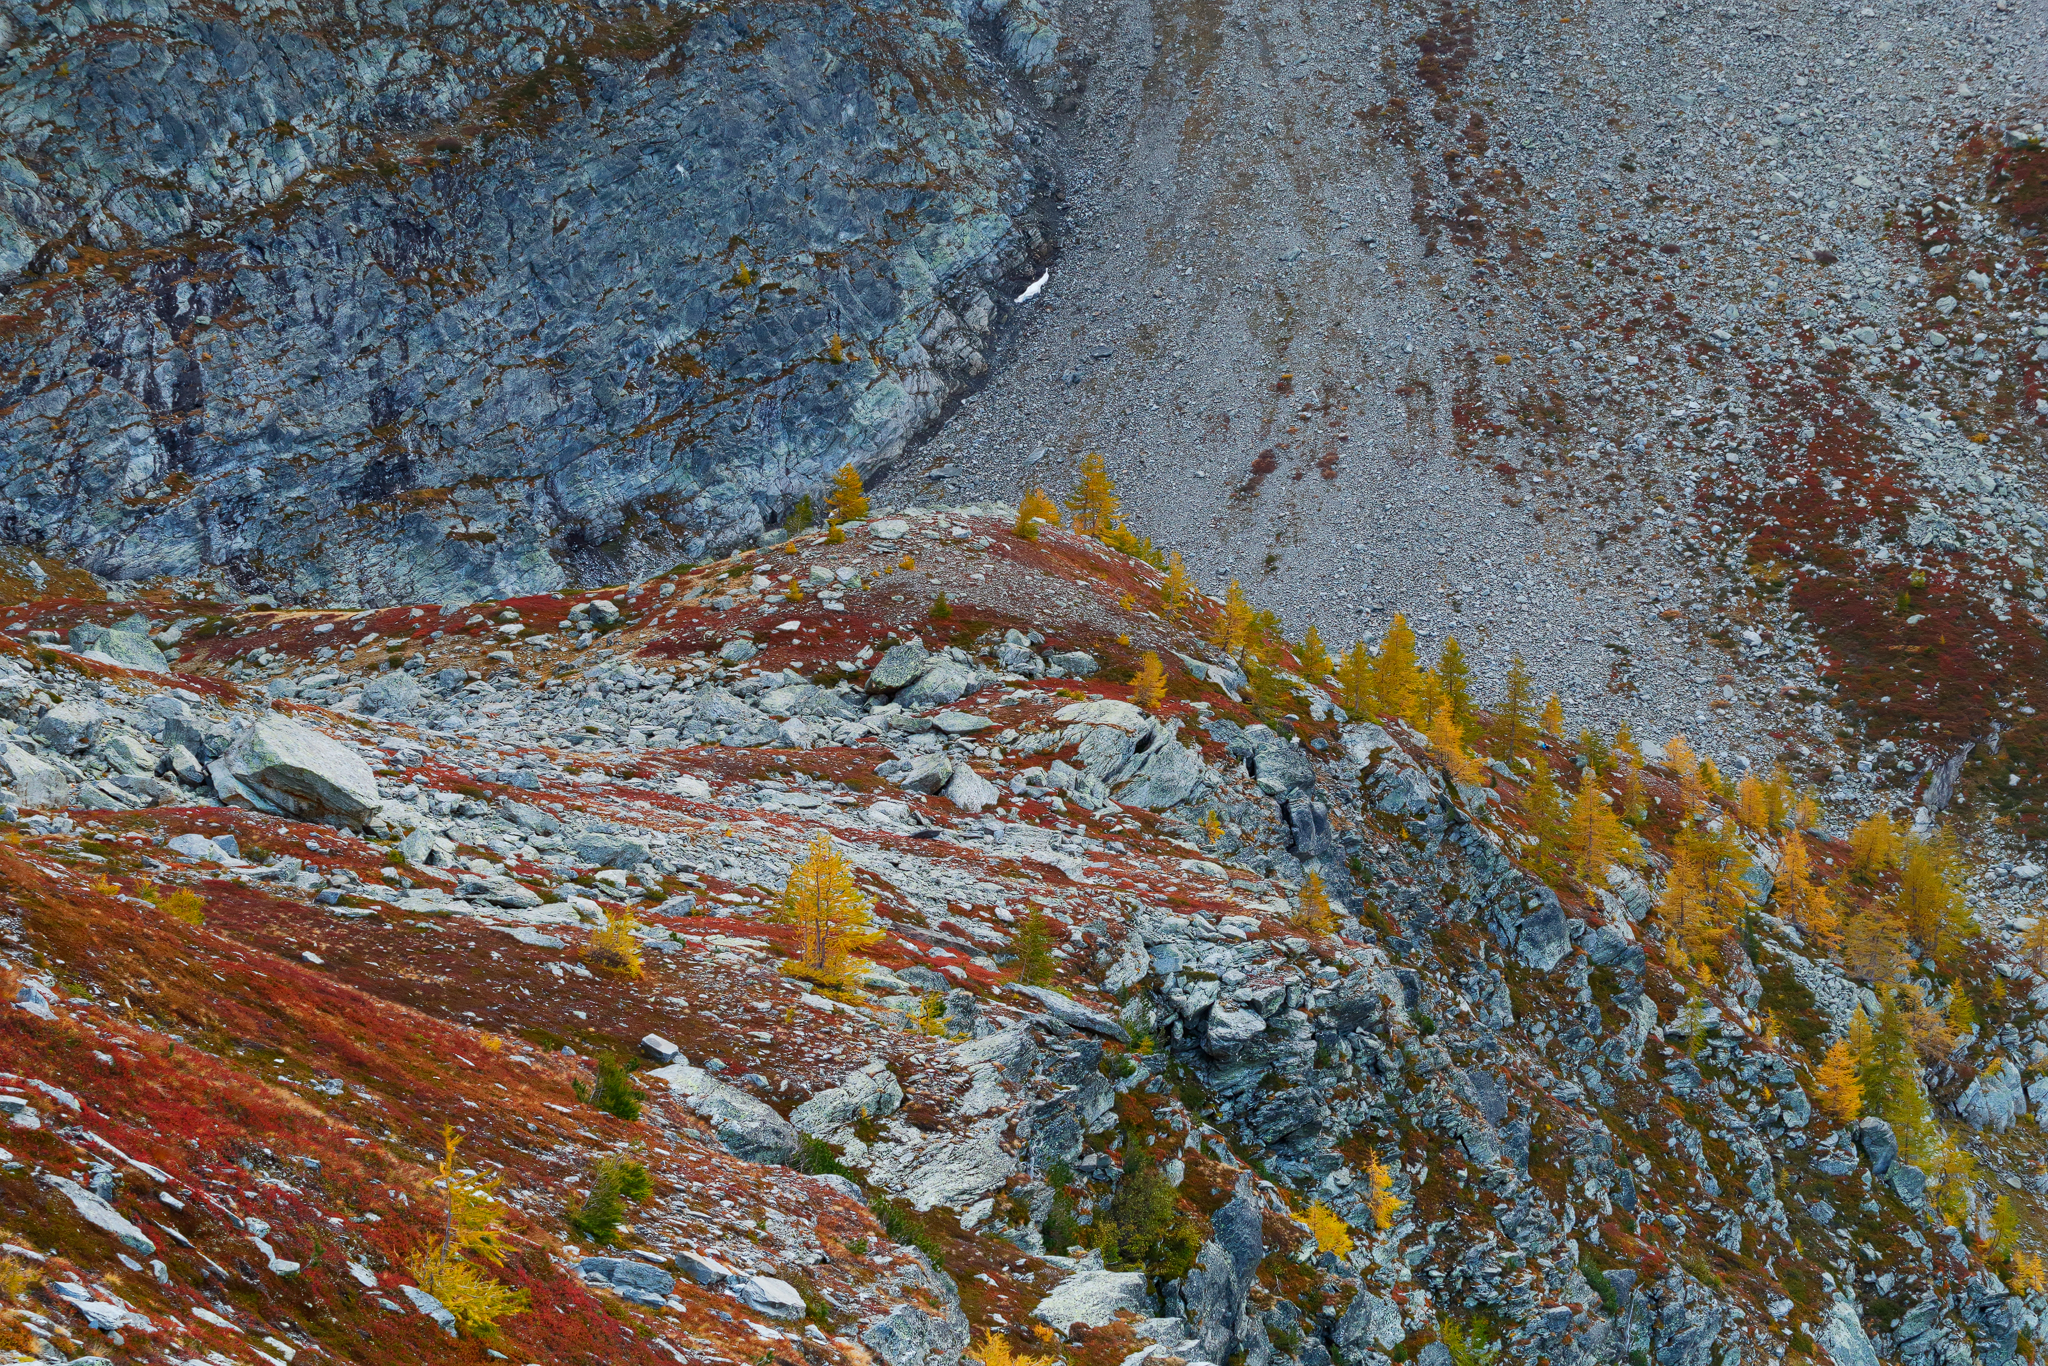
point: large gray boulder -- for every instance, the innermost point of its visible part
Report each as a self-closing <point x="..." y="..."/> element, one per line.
<point x="36" y="782"/>
<point x="1071" y="1012"/>
<point x="391" y="694"/>
<point x="1094" y="1297"/>
<point x="1841" y="1335"/>
<point x="899" y="667"/>
<point x="1995" y="1098"/>
<point x="635" y="1281"/>
<point x="1879" y="1144"/>
<point x="749" y="1130"/>
<point x="303" y="773"/>
<point x="127" y="644"/>
<point x="70" y="727"/>
<point x="871" y="1093"/>
<point x="609" y="851"/>
<point x="939" y="686"/>
<point x="970" y="791"/>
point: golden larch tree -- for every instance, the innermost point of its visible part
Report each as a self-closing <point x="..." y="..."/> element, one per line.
<point x="1803" y="901"/>
<point x="848" y="499"/>
<point x="1233" y="623"/>
<point x="1928" y="903"/>
<point x="1037" y="506"/>
<point x="1395" y="678"/>
<point x="1454" y="685"/>
<point x="1691" y="913"/>
<point x="1836" y="1084"/>
<point x="1874" y="845"/>
<point x="1692" y="791"/>
<point x="1093" y="502"/>
<point x="1328" y="1228"/>
<point x="1380" y="1200"/>
<point x="1179" y="588"/>
<point x="830" y="914"/>
<point x="1313" y="658"/>
<point x="1597" y="835"/>
<point x="1148" y="688"/>
<point x="1448" y="744"/>
<point x="470" y="1222"/>
<point x="1553" y="717"/>
<point x="1316" y="915"/>
<point x="1511" y="719"/>
<point x="1354" y="681"/>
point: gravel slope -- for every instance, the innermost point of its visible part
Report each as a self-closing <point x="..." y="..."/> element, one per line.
<point x="1254" y="195"/>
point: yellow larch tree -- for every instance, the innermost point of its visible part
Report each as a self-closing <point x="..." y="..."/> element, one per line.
<point x="1354" y="682"/>
<point x="1928" y="903"/>
<point x="1553" y="717"/>
<point x="1316" y="915"/>
<point x="1396" y="680"/>
<point x="1836" y="1084"/>
<point x="1803" y="901"/>
<point x="1233" y="623"/>
<point x="1328" y="1228"/>
<point x="1597" y="835"/>
<point x="470" y="1222"/>
<point x="1313" y="658"/>
<point x="830" y="915"/>
<point x="1037" y="506"/>
<point x="1692" y="791"/>
<point x="615" y="946"/>
<point x="1691" y="914"/>
<point x="1093" y="502"/>
<point x="1874" y="845"/>
<point x="1448" y="744"/>
<point x="1179" y="588"/>
<point x="848" y="499"/>
<point x="1874" y="945"/>
<point x="1380" y="1200"/>
<point x="1148" y="688"/>
<point x="1625" y="745"/>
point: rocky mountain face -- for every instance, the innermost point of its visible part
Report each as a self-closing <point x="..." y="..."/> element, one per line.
<point x="368" y="303"/>
<point x="1111" y="1084"/>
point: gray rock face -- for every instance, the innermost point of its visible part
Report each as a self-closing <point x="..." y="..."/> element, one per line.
<point x="302" y="772"/>
<point x="1094" y="1297"/>
<point x="635" y="1281"/>
<point x="609" y="851"/>
<point x="1878" y="1142"/>
<point x="899" y="667"/>
<point x="1841" y="1334"/>
<point x="970" y="791"/>
<point x="69" y="727"/>
<point x="297" y="389"/>
<point x="131" y="649"/>
<point x="391" y="694"/>
<point x="943" y="684"/>
<point x="1995" y="1097"/>
<point x="747" y="1127"/>
<point x="35" y="782"/>
<point x="873" y="1093"/>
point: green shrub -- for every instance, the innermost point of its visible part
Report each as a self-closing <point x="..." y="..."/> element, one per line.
<point x="897" y="1222"/>
<point x="615" y="1093"/>
<point x="614" y="1181"/>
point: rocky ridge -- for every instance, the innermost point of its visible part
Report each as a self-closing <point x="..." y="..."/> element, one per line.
<point x="400" y="871"/>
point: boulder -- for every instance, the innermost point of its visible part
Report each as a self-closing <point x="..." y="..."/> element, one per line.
<point x="659" y="1049"/>
<point x="970" y="791"/>
<point x="1840" y="1334"/>
<point x="1995" y="1098"/>
<point x="1908" y="1182"/>
<point x="873" y="1094"/>
<point x="69" y="727"/>
<point x="391" y="694"/>
<point x="1229" y="1029"/>
<point x="1368" y="1321"/>
<point x="899" y="667"/>
<point x="1094" y="1297"/>
<point x="303" y="773"/>
<point x="945" y="1169"/>
<point x="778" y="1299"/>
<point x="703" y="1269"/>
<point x="609" y="851"/>
<point x="128" y="649"/>
<point x="1879" y="1144"/>
<point x="736" y="652"/>
<point x="36" y="782"/>
<point x="1071" y="1012"/>
<point x="749" y="1130"/>
<point x="939" y="686"/>
<point x="1073" y="663"/>
<point x="635" y="1281"/>
<point x="927" y="773"/>
<point x="205" y="738"/>
<point x="431" y="1307"/>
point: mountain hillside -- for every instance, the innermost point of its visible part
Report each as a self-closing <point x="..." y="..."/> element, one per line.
<point x="922" y="941"/>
